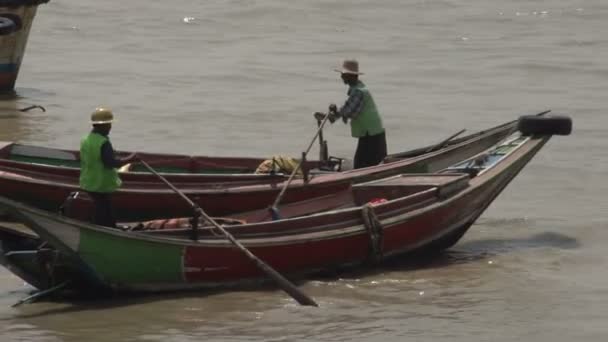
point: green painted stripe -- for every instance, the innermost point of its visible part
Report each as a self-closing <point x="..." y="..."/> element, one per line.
<point x="122" y="261"/>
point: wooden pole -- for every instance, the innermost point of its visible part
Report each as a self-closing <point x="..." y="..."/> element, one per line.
<point x="274" y="206"/>
<point x="285" y="284"/>
<point x="36" y="296"/>
<point x="323" y="154"/>
<point x="442" y="143"/>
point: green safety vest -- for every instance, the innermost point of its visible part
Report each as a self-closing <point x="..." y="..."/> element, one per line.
<point x="94" y="175"/>
<point x="368" y="121"/>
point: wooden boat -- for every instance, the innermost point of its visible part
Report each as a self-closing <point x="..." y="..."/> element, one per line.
<point x="138" y="201"/>
<point x="365" y="223"/>
<point x="175" y="167"/>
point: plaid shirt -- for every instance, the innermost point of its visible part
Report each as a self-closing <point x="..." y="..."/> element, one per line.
<point x="353" y="104"/>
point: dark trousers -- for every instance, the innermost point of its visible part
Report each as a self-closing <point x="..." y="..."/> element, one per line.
<point x="104" y="214"/>
<point x="371" y="150"/>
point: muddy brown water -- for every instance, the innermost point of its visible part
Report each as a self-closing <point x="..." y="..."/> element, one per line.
<point x="242" y="77"/>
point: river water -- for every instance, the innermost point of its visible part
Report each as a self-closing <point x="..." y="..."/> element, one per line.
<point x="242" y="77"/>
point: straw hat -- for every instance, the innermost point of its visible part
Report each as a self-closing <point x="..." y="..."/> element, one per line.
<point x="102" y="115"/>
<point x="349" y="66"/>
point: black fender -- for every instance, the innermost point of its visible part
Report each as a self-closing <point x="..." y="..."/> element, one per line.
<point x="7" y="26"/>
<point x="545" y="125"/>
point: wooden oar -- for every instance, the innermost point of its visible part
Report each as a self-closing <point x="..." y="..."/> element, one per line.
<point x="285" y="284"/>
<point x="40" y="294"/>
<point x="274" y="208"/>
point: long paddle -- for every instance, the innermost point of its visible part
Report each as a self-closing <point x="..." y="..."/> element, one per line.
<point x="274" y="209"/>
<point x="285" y="284"/>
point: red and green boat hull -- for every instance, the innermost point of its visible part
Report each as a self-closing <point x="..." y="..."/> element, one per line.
<point x="128" y="261"/>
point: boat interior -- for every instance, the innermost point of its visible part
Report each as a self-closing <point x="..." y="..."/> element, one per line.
<point x="161" y="162"/>
<point x="165" y="163"/>
<point x="409" y="190"/>
<point x="405" y="191"/>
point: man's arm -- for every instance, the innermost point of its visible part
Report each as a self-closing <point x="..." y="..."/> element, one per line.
<point x="353" y="105"/>
<point x="109" y="159"/>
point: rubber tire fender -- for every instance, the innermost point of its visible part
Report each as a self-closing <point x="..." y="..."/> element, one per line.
<point x="7" y="26"/>
<point x="545" y="125"/>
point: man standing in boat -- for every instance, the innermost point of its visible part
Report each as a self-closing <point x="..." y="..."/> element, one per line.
<point x="365" y="122"/>
<point x="98" y="164"/>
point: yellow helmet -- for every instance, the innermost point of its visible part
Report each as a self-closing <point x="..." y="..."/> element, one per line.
<point x="102" y="115"/>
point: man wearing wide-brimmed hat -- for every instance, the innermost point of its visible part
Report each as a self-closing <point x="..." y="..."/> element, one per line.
<point x="98" y="164"/>
<point x="365" y="121"/>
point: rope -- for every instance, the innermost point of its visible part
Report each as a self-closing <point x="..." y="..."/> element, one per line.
<point x="375" y="232"/>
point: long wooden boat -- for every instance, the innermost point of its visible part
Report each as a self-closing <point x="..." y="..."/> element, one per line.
<point x="138" y="201"/>
<point x="176" y="167"/>
<point x="366" y="223"/>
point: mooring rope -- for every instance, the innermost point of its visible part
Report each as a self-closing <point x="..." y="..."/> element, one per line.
<point x="374" y="230"/>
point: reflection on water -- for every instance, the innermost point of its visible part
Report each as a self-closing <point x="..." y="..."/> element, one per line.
<point x="470" y="252"/>
<point x="450" y="287"/>
<point x="10" y="118"/>
<point x="466" y="254"/>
